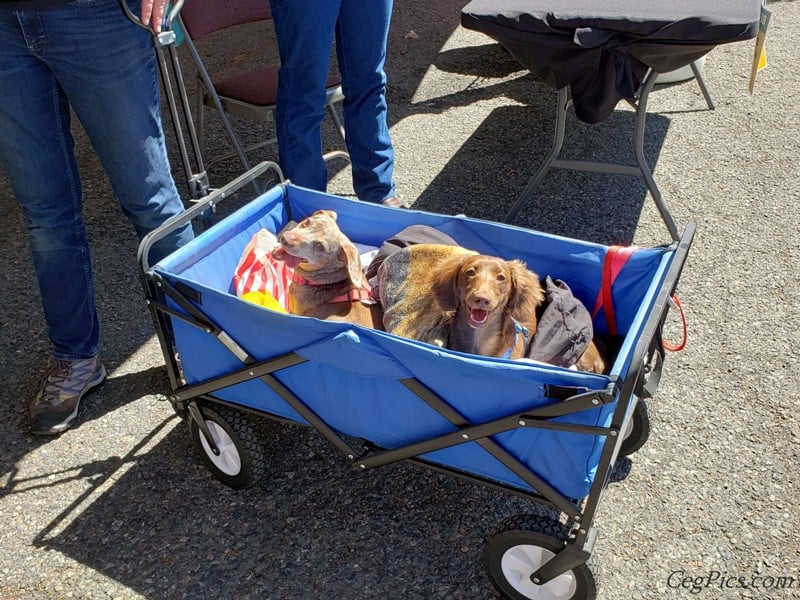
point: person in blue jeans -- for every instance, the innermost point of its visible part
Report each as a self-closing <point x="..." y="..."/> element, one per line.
<point x="83" y="54"/>
<point x="305" y="30"/>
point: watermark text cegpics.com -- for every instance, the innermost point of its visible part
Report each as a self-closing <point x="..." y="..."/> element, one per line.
<point x="717" y="580"/>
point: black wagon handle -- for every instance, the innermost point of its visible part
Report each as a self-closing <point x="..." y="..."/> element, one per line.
<point x="202" y="207"/>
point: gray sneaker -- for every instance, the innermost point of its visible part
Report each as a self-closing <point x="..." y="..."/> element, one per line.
<point x="65" y="382"/>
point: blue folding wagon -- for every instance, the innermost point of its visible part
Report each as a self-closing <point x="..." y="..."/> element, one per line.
<point x="544" y="432"/>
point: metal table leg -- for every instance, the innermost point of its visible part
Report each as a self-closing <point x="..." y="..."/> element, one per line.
<point x="641" y="169"/>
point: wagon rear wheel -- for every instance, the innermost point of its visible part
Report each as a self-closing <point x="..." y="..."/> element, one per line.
<point x="638" y="430"/>
<point x="521" y="545"/>
<point x="241" y="460"/>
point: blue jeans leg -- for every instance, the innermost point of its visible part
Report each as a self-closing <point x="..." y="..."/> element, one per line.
<point x="361" y="37"/>
<point x="305" y="31"/>
<point x="89" y="56"/>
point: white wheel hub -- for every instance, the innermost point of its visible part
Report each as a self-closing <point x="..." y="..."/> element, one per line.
<point x="228" y="461"/>
<point x="520" y="561"/>
<point x="628" y="429"/>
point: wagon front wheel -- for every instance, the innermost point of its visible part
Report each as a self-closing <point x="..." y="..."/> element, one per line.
<point x="241" y="459"/>
<point x="638" y="430"/>
<point x="523" y="544"/>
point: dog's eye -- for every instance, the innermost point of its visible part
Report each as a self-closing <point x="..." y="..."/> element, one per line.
<point x="501" y="277"/>
<point x="470" y="272"/>
<point x="319" y="246"/>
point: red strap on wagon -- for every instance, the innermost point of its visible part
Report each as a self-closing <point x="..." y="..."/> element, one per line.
<point x="682" y="344"/>
<point x="615" y="259"/>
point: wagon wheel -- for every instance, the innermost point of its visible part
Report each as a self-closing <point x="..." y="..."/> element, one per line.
<point x="241" y="460"/>
<point x="521" y="545"/>
<point x="638" y="430"/>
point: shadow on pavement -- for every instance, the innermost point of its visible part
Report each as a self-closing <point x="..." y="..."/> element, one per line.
<point x="167" y="529"/>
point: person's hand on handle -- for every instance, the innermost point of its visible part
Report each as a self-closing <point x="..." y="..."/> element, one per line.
<point x="153" y="13"/>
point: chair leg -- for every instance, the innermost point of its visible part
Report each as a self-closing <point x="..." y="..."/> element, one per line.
<point x="340" y="128"/>
<point x="234" y="139"/>
<point x="212" y="95"/>
<point x="337" y="120"/>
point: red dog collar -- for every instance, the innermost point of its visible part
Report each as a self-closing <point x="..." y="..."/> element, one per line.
<point x="362" y="294"/>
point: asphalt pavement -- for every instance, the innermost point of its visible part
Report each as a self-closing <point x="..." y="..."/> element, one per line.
<point x="120" y="506"/>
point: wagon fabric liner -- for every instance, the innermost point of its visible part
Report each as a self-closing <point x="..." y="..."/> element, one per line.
<point x="529" y="427"/>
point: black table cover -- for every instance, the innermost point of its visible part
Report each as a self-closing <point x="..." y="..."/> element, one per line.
<point x="602" y="49"/>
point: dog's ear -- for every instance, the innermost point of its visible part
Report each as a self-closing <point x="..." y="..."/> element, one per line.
<point x="445" y="281"/>
<point x="526" y="292"/>
<point x="331" y="213"/>
<point x="349" y="256"/>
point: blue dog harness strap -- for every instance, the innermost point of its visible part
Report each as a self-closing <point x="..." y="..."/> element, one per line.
<point x="518" y="329"/>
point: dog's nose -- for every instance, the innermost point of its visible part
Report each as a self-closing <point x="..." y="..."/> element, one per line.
<point x="480" y="300"/>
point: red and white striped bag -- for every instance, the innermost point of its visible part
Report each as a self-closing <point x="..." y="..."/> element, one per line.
<point x="259" y="271"/>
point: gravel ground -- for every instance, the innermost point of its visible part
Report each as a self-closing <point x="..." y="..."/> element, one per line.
<point x="121" y="507"/>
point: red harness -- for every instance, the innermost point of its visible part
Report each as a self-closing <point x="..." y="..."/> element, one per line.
<point x="362" y="294"/>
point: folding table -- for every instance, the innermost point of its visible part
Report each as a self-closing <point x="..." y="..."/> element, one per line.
<point x="598" y="53"/>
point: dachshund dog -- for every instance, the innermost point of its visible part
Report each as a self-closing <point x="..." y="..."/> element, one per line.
<point x="328" y="281"/>
<point x="494" y="304"/>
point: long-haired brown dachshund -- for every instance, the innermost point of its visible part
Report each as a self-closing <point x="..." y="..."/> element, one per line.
<point x="494" y="305"/>
<point x="328" y="281"/>
<point x="493" y="302"/>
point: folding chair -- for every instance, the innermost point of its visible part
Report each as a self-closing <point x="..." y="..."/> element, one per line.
<point x="248" y="94"/>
